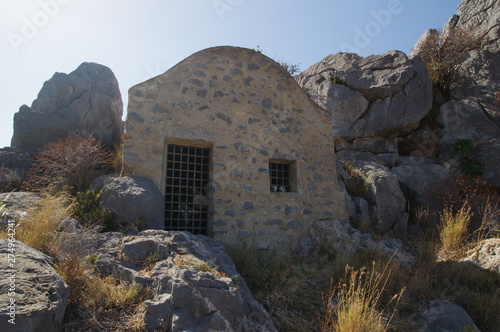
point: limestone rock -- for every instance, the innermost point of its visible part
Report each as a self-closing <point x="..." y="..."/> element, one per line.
<point x="385" y="192"/>
<point x="132" y="199"/>
<point x="488" y="155"/>
<point x="41" y="294"/>
<point x="486" y="255"/>
<point x="16" y="205"/>
<point x="422" y="143"/>
<point x="382" y="95"/>
<point x="465" y="120"/>
<point x="195" y="284"/>
<point x="420" y="179"/>
<point x="479" y="73"/>
<point x="362" y="211"/>
<point x="481" y="16"/>
<point x="348" y="241"/>
<point x="444" y="316"/>
<point x="85" y="102"/>
<point x="14" y="164"/>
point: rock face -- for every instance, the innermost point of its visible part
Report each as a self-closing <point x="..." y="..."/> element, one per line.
<point x="444" y="316"/>
<point x="465" y="120"/>
<point x="85" y="102"/>
<point x="41" y="294"/>
<point x="14" y="164"/>
<point x="133" y="199"/>
<point x="486" y="255"/>
<point x="420" y="179"/>
<point x="195" y="286"/>
<point x="348" y="241"/>
<point x="380" y="95"/>
<point x="480" y="72"/>
<point x="15" y="205"/>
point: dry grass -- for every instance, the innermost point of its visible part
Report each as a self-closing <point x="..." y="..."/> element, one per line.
<point x="39" y="229"/>
<point x="454" y="231"/>
<point x="353" y="305"/>
<point x="98" y="303"/>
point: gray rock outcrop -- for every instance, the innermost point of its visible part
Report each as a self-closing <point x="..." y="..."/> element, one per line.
<point x="14" y="164"/>
<point x="419" y="180"/>
<point x="465" y="120"/>
<point x="380" y="95"/>
<point x="479" y="73"/>
<point x="41" y="294"/>
<point x="348" y="241"/>
<point x="444" y="316"/>
<point x="194" y="283"/>
<point x="486" y="255"/>
<point x="85" y="102"/>
<point x="387" y="195"/>
<point x="16" y="205"/>
<point x="133" y="199"/>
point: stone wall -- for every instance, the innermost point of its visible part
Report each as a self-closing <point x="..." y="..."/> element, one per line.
<point x="248" y="111"/>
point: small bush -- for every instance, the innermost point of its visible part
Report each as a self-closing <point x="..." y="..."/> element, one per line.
<point x="465" y="150"/>
<point x="291" y="68"/>
<point x="337" y="80"/>
<point x="87" y="211"/>
<point x="444" y="53"/>
<point x="68" y="163"/>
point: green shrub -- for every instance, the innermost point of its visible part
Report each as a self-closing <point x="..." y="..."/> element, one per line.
<point x="465" y="149"/>
<point x="87" y="211"/>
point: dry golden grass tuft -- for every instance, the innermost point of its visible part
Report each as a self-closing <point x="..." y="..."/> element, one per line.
<point x="454" y="231"/>
<point x="39" y="228"/>
<point x="353" y="305"/>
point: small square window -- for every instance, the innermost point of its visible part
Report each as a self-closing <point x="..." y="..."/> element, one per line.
<point x="281" y="174"/>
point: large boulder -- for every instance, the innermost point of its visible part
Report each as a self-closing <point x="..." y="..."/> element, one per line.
<point x="380" y="95"/>
<point x="419" y="180"/>
<point x="14" y="164"/>
<point x="133" y="199"/>
<point x="385" y="193"/>
<point x="85" y="102"/>
<point x="444" y="316"/>
<point x="465" y="120"/>
<point x="194" y="283"/>
<point x="40" y="293"/>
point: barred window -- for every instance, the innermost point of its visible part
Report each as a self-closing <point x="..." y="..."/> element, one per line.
<point x="282" y="176"/>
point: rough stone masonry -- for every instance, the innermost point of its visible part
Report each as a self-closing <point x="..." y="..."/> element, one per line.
<point x="250" y="114"/>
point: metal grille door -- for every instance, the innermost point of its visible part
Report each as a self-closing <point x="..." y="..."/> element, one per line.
<point x="186" y="192"/>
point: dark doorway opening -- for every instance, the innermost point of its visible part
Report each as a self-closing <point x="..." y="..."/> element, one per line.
<point x="186" y="190"/>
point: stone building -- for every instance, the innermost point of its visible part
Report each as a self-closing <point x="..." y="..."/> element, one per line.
<point x="236" y="147"/>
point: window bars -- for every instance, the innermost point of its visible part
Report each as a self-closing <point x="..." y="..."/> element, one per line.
<point x="280" y="177"/>
<point x="186" y="189"/>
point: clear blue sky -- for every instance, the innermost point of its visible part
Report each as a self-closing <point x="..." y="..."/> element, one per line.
<point x="142" y="39"/>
